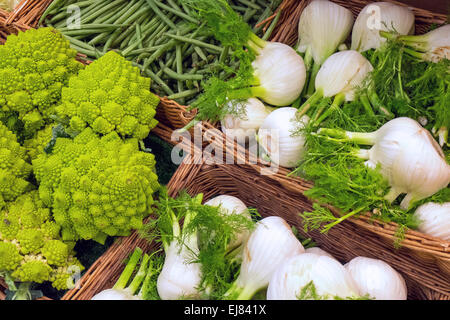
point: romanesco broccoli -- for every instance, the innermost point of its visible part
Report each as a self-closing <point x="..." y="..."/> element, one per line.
<point x="97" y="186"/>
<point x="34" y="66"/>
<point x="109" y="95"/>
<point x="31" y="249"/>
<point x="14" y="168"/>
<point x="36" y="145"/>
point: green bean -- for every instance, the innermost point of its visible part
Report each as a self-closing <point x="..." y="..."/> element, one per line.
<point x="163" y="17"/>
<point x="84" y="32"/>
<point x="200" y="53"/>
<point x="183" y="94"/>
<point x="179" y="13"/>
<point x="117" y="14"/>
<point x="52" y="6"/>
<point x="104" y="18"/>
<point x="79" y="43"/>
<point x="145" y="33"/>
<point x="195" y="42"/>
<point x="157" y="79"/>
<point x="139" y="36"/>
<point x="122" y="19"/>
<point x="100" y="11"/>
<point x="93" y="26"/>
<point x="185" y="76"/>
<point x="250" y="4"/>
<point x="271" y="27"/>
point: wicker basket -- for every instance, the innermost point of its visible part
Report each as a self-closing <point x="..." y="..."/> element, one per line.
<point x="345" y="241"/>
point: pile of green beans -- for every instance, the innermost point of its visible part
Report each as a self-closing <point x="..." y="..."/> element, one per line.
<point x="164" y="38"/>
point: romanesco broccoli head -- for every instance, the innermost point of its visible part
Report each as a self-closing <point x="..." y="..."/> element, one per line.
<point x="31" y="249"/>
<point x="36" y="145"/>
<point x="97" y="186"/>
<point x="14" y="168"/>
<point x="109" y="95"/>
<point x="34" y="66"/>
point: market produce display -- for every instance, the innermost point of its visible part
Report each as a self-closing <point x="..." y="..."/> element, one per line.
<point x="357" y="86"/>
<point x="165" y="39"/>
<point x="269" y="262"/>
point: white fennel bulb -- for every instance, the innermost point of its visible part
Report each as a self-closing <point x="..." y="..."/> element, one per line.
<point x="342" y="73"/>
<point x="126" y="288"/>
<point x="269" y="246"/>
<point x="179" y="277"/>
<point x="322" y="28"/>
<point x="114" y="294"/>
<point x="432" y="46"/>
<point x="329" y="277"/>
<point x="281" y="74"/>
<point x="340" y="76"/>
<point x="232" y="205"/>
<point x="409" y="158"/>
<point x="278" y="139"/>
<point x="318" y="251"/>
<point x="377" y="279"/>
<point x="434" y="219"/>
<point x="244" y="126"/>
<point x="380" y="16"/>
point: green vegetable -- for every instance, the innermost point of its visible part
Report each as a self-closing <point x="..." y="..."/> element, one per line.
<point x="36" y="145"/>
<point x="135" y="280"/>
<point x="96" y="187"/>
<point x="31" y="250"/>
<point x="406" y="86"/>
<point x="14" y="168"/>
<point x="34" y="66"/>
<point x="109" y="95"/>
<point x="201" y="241"/>
<point x="143" y="32"/>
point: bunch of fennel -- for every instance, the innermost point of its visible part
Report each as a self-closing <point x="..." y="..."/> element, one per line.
<point x="322" y="28"/>
<point x="405" y="85"/>
<point x="270" y="71"/>
<point x="357" y="181"/>
<point x="201" y="254"/>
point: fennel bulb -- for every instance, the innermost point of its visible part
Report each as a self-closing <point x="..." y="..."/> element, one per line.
<point x="279" y="71"/>
<point x="232" y="205"/>
<point x="434" y="219"/>
<point x="339" y="77"/>
<point x="322" y="28"/>
<point x="270" y="71"/>
<point x="243" y="127"/>
<point x="377" y="279"/>
<point x="120" y="291"/>
<point x="329" y="277"/>
<point x="278" y="139"/>
<point x="180" y="277"/>
<point x="380" y="16"/>
<point x="432" y="46"/>
<point x="318" y="251"/>
<point x="409" y="158"/>
<point x="270" y="244"/>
